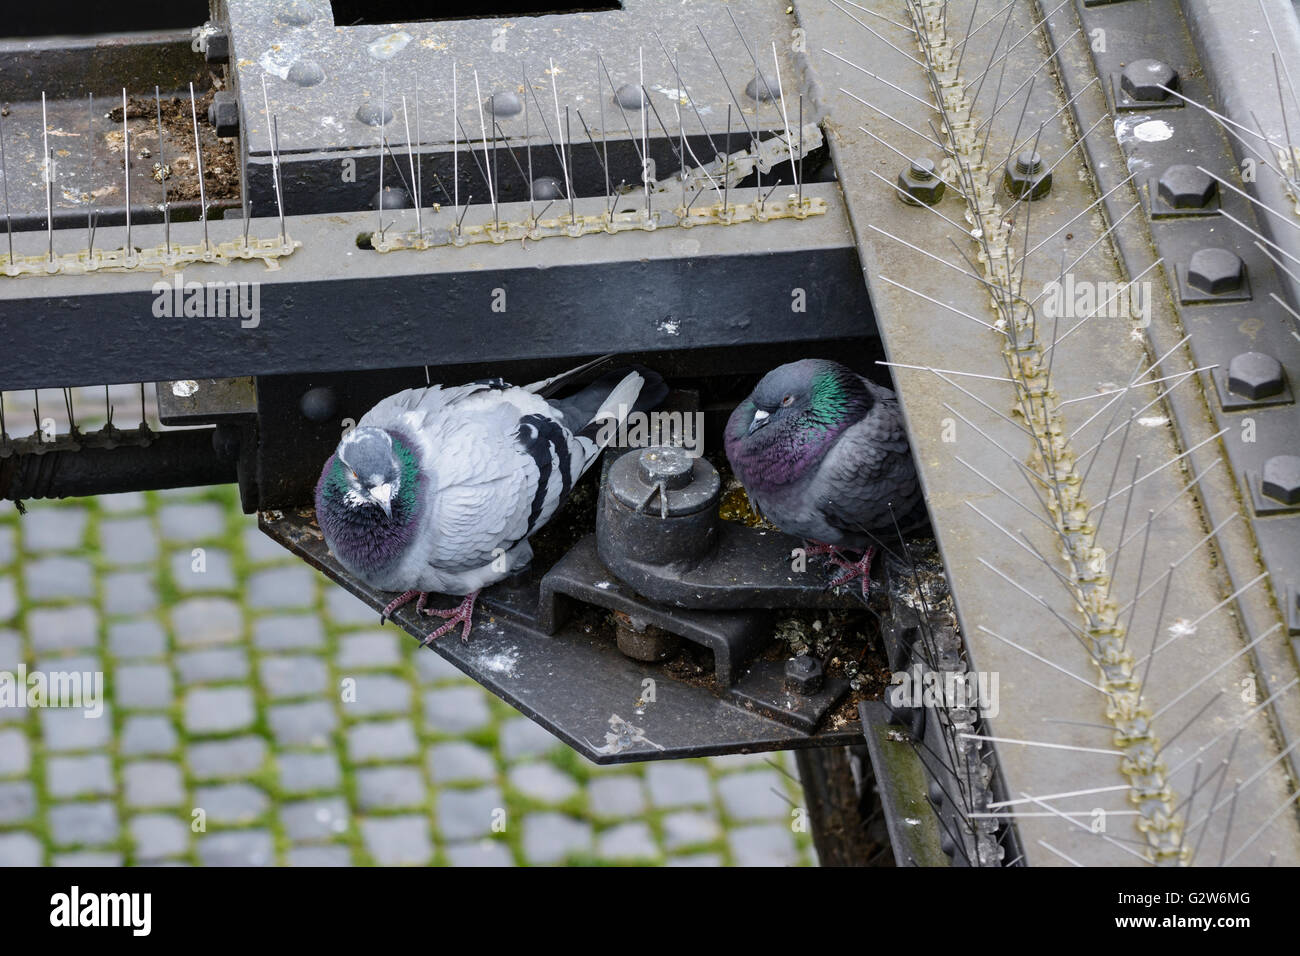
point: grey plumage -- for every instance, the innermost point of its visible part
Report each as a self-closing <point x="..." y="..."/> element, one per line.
<point x="823" y="453"/>
<point x="473" y="471"/>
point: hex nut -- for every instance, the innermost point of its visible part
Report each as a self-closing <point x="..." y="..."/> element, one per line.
<point x="223" y="114"/>
<point x="1026" y="177"/>
<point x="1216" y="271"/>
<point x="217" y="48"/>
<point x="1186" y="187"/>
<point x="920" y="183"/>
<point x="1256" y="375"/>
<point x="1281" y="479"/>
<point x="804" y="675"/>
<point x="1142" y="80"/>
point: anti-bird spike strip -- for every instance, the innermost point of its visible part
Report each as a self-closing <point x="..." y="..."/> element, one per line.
<point x="165" y="256"/>
<point x="1036" y="375"/>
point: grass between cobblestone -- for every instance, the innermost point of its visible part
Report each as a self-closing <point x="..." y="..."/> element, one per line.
<point x="138" y="550"/>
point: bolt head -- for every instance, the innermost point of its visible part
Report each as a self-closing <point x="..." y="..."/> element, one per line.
<point x="761" y="88"/>
<point x="1216" y="271"/>
<point x="1186" y="187"/>
<point x="223" y="114"/>
<point x="803" y="675"/>
<point x="373" y="114"/>
<point x="1142" y="80"/>
<point x="393" y="197"/>
<point x="306" y="73"/>
<point x="1281" y="479"/>
<point x="318" y="404"/>
<point x="628" y="96"/>
<point x="547" y="187"/>
<point x="1255" y="375"/>
<point x="503" y="103"/>
<point x="667" y="465"/>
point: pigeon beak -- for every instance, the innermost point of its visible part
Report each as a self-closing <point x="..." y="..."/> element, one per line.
<point x="382" y="495"/>
<point x="760" y="419"/>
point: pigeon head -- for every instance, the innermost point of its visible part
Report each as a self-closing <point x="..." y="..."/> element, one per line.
<point x="370" y="469"/>
<point x="791" y="418"/>
<point x="367" y="500"/>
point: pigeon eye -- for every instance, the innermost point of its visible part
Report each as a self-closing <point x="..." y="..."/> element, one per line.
<point x="787" y="401"/>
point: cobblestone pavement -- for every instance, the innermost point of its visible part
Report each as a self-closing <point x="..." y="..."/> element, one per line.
<point x="256" y="714"/>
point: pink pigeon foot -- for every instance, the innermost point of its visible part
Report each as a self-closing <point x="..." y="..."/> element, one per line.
<point x="852" y="569"/>
<point x="463" y="613"/>
<point x="402" y="599"/>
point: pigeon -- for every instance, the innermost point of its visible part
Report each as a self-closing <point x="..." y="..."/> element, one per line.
<point x="823" y="455"/>
<point x="438" y="489"/>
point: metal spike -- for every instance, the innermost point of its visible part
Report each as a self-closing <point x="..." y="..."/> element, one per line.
<point x="455" y="147"/>
<point x="564" y="163"/>
<point x="49" y="178"/>
<point x="162" y="178"/>
<point x="410" y="153"/>
<point x="4" y="177"/>
<point x="126" y="172"/>
<point x="198" y="159"/>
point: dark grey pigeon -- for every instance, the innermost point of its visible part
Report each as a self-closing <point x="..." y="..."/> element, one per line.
<point x="438" y="489"/>
<point x="823" y="454"/>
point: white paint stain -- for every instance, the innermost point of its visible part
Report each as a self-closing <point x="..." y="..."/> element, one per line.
<point x="1153" y="131"/>
<point x="388" y="46"/>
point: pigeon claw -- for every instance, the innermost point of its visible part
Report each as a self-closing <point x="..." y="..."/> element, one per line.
<point x="398" y="601"/>
<point x="462" y="614"/>
<point x="852" y="569"/>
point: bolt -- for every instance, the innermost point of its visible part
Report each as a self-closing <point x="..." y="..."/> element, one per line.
<point x="803" y="675"/>
<point x="305" y="73"/>
<point x="1216" y="271"/>
<point x="628" y="96"/>
<point x="371" y="114"/>
<point x="546" y="187"/>
<point x="295" y="13"/>
<point x="760" y="88"/>
<point x="1142" y="80"/>
<point x="217" y="49"/>
<point x="1282" y="479"/>
<point x="1025" y="176"/>
<point x="504" y="103"/>
<point x="643" y="642"/>
<point x="318" y="404"/>
<point x="936" y="793"/>
<point x="393" y="197"/>
<point x="223" y="113"/>
<point x="667" y="465"/>
<point x="920" y="184"/>
<point x="225" y="441"/>
<point x="1255" y="375"/>
<point x="1186" y="187"/>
